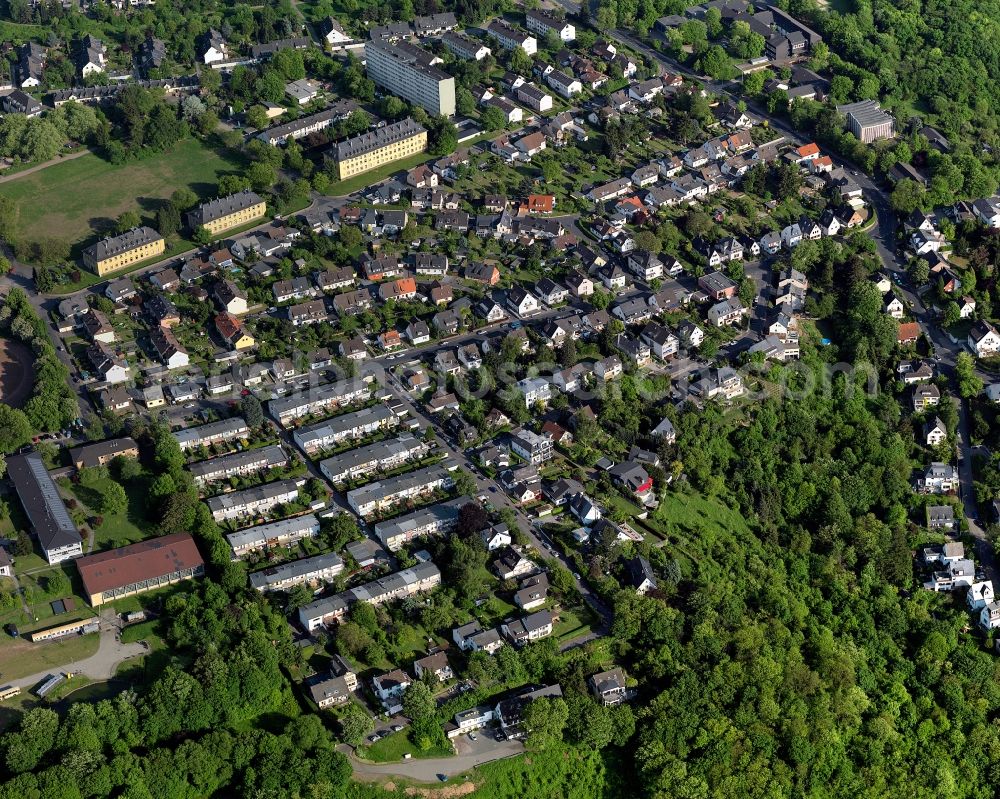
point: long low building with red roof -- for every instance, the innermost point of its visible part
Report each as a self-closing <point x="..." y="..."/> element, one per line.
<point x="141" y="567"/>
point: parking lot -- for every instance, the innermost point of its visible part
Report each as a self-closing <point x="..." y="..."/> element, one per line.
<point x="485" y="742"/>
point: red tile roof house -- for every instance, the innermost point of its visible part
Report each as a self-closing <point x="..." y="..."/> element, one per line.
<point x="539" y="204"/>
<point x="909" y="332"/>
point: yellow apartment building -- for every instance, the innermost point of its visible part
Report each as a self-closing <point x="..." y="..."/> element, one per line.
<point x="226" y="213"/>
<point x="378" y="147"/>
<point x="118" y="252"/>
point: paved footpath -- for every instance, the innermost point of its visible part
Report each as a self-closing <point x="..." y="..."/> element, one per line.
<point x="44" y="165"/>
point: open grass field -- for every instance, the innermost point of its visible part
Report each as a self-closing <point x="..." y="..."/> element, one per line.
<point x="392" y="748"/>
<point x="19" y="657"/>
<point x="76" y="200"/>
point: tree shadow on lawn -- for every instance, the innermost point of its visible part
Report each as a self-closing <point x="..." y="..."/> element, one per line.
<point x="104" y="225"/>
<point x="151" y="204"/>
<point x="88" y="496"/>
<point x="208" y="189"/>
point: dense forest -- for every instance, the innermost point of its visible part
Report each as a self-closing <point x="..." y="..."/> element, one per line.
<point x="937" y="59"/>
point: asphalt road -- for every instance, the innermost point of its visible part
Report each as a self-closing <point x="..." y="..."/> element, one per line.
<point x="497" y="497"/>
<point x="427" y="770"/>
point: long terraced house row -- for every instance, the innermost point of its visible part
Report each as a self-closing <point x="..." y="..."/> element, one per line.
<point x="401" y="584"/>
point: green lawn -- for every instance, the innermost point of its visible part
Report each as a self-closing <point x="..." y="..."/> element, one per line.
<point x="19" y="657"/>
<point x="118" y="529"/>
<point x="572" y="622"/>
<point x="695" y="512"/>
<point x="392" y="748"/>
<point x="75" y="200"/>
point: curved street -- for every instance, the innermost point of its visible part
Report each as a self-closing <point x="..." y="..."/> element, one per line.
<point x="427" y="770"/>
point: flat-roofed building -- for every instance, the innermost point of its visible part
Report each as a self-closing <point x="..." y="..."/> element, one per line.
<point x="118" y="252"/>
<point x="329" y="610"/>
<point x="319" y="399"/>
<point x="275" y="534"/>
<point x="225" y="213"/>
<point x="867" y="121"/>
<point x="410" y="72"/>
<point x="315" y="438"/>
<point x="318" y="569"/>
<point x="47" y="514"/>
<point x="434" y="520"/>
<point x="239" y="464"/>
<point x="384" y="494"/>
<point x="212" y="433"/>
<point x="253" y="501"/>
<point x="141" y="567"/>
<point x="378" y="457"/>
<point x="102" y="452"/>
<point x="376" y="148"/>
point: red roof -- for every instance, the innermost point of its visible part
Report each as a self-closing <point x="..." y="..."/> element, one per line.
<point x="908" y="331"/>
<point x="227" y="325"/>
<point x="808" y="149"/>
<point x="147" y="560"/>
<point x="542" y="203"/>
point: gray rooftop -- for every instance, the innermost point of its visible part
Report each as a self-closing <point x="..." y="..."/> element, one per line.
<point x="193" y="436"/>
<point x="224" y="206"/>
<point x="296" y="569"/>
<point x="238" y="499"/>
<point x="376" y="139"/>
<point x="45" y="508"/>
<point x="866" y="112"/>
<point x="393" y="485"/>
<point x="268" y="457"/>
<point x="443" y="511"/>
<point x="115" y="245"/>
<point x="375" y="591"/>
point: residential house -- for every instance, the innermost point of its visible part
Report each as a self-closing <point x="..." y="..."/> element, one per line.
<point x="529" y="628"/>
<point x="984" y="340"/>
<point x="640" y="575"/>
<point x="935" y="432"/>
<point x="390" y="687"/>
<point x="925" y="396"/>
<point x="435" y="665"/>
<point x="980" y="595"/>
<point x="939" y="478"/>
<point x="727" y="312"/>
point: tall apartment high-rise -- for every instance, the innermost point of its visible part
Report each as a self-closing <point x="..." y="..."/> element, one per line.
<point x="409" y="72"/>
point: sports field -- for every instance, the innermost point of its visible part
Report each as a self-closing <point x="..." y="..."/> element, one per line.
<point x="75" y="200"/>
<point x="17" y="372"/>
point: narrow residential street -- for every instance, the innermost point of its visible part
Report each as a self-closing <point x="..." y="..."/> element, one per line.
<point x="496" y="495"/>
<point x="428" y="769"/>
<point x="984" y="547"/>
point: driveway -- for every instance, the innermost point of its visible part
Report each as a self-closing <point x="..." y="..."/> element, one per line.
<point x="470" y="754"/>
<point x="100" y="666"/>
